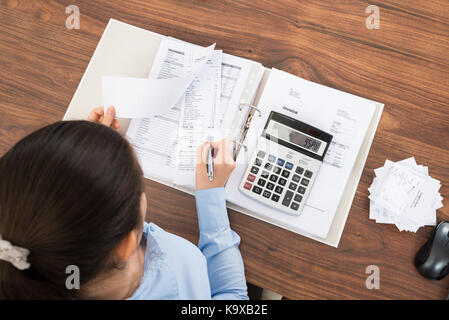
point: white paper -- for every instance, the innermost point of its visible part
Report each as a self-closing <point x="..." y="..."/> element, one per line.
<point x="140" y="98"/>
<point x="202" y="100"/>
<point x="234" y="75"/>
<point x="345" y="116"/>
<point x="403" y="194"/>
<point x="166" y="144"/>
<point x="155" y="138"/>
<point x="235" y="72"/>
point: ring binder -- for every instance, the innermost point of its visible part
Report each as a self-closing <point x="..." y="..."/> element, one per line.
<point x="245" y="128"/>
<point x="241" y="144"/>
<point x="250" y="106"/>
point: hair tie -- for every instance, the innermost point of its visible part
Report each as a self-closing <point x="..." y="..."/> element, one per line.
<point x="17" y="256"/>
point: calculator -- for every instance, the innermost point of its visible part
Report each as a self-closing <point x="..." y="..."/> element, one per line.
<point x="286" y="161"/>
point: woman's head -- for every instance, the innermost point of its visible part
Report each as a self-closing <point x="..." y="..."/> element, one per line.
<point x="70" y="193"/>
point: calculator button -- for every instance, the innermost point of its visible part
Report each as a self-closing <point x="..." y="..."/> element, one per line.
<point x="275" y="197"/>
<point x="261" y="182"/>
<point x="251" y="177"/>
<point x="301" y="189"/>
<point x="308" y="174"/>
<point x="282" y="181"/>
<point x="270" y="186"/>
<point x="298" y="198"/>
<point x="277" y="170"/>
<point x="288" y="198"/>
<point x="278" y="189"/>
<point x="266" y="194"/>
<point x="268" y="166"/>
<point x="261" y="154"/>
<point x="289" y="165"/>
<point x="296" y="178"/>
<point x="271" y="158"/>
<point x="305" y="182"/>
<point x="285" y="173"/>
<point x="273" y="178"/>
<point x="292" y="186"/>
<point x="258" y="162"/>
<point x="247" y="186"/>
<point x="281" y="162"/>
<point x="294" y="206"/>
<point x="257" y="190"/>
<point x="254" y="170"/>
<point x="299" y="170"/>
<point x="265" y="174"/>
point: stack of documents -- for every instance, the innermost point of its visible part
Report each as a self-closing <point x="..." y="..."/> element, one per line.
<point x="404" y="194"/>
<point x="190" y="96"/>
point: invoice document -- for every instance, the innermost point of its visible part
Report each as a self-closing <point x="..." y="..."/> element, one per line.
<point x="343" y="115"/>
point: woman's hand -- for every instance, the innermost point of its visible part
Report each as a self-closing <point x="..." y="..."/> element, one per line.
<point x="108" y="119"/>
<point x="223" y="162"/>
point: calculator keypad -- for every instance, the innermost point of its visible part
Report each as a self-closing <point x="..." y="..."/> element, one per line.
<point x="287" y="198"/>
<point x="257" y="190"/>
<point x="282" y="182"/>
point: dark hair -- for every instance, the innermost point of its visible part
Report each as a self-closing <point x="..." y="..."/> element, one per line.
<point x="69" y="192"/>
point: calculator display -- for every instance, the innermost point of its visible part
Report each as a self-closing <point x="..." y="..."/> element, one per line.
<point x="300" y="139"/>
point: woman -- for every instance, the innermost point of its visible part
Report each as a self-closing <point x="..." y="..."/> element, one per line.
<point x="72" y="200"/>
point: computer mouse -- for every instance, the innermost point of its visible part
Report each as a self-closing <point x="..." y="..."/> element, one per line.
<point x="432" y="260"/>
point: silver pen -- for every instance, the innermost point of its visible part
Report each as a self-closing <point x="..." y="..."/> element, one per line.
<point x="210" y="165"/>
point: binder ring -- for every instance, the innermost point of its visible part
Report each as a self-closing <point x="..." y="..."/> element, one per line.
<point x="240" y="144"/>
<point x="249" y="106"/>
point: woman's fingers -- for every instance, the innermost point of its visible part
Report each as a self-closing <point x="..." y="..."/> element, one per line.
<point x="108" y="119"/>
<point x="116" y="124"/>
<point x="96" y="114"/>
<point x="109" y="116"/>
<point x="216" y="144"/>
<point x="223" y="151"/>
<point x="202" y="152"/>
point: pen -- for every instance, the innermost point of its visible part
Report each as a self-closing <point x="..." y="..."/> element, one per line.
<point x="210" y="165"/>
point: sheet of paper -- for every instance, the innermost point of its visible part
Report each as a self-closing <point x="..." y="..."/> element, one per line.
<point x="343" y="115"/>
<point x="234" y="75"/>
<point x="202" y="100"/>
<point x="155" y="138"/>
<point x="166" y="144"/>
<point x="403" y="189"/>
<point x="140" y="98"/>
<point x="403" y="193"/>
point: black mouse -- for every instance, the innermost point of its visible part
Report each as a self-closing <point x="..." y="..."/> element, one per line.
<point x="432" y="260"/>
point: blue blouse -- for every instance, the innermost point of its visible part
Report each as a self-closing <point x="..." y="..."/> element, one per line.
<point x="176" y="269"/>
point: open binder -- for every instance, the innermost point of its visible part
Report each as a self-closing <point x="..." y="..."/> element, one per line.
<point x="128" y="51"/>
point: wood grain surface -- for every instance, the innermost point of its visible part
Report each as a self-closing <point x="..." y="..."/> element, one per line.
<point x="404" y="64"/>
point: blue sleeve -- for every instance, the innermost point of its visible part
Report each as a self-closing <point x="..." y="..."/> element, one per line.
<point x="220" y="246"/>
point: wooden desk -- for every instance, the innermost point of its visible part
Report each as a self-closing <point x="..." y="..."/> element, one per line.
<point x="404" y="64"/>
